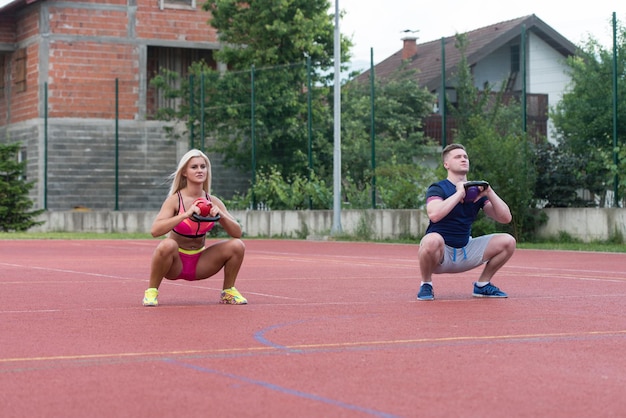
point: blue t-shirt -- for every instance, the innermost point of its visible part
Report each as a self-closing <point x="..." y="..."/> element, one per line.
<point x="456" y="227"/>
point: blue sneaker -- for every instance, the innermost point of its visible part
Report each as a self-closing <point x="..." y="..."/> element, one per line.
<point x="426" y="292"/>
<point x="488" y="291"/>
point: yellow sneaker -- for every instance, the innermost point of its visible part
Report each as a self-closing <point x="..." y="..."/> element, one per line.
<point x="150" y="297"/>
<point x="232" y="297"/>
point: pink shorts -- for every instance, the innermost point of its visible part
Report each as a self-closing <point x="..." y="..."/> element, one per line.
<point x="189" y="259"/>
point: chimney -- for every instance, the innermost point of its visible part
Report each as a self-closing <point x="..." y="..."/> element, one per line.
<point x="409" y="47"/>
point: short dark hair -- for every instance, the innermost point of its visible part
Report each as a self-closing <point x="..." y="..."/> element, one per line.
<point x="449" y="148"/>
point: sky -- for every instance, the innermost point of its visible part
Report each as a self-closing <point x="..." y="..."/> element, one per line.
<point x="380" y="25"/>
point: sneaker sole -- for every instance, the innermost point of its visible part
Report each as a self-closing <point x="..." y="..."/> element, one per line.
<point x="232" y="301"/>
<point x="477" y="295"/>
<point x="226" y="302"/>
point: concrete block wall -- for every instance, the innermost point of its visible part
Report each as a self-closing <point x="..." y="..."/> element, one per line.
<point x="81" y="164"/>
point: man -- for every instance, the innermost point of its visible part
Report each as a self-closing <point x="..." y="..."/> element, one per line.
<point x="448" y="246"/>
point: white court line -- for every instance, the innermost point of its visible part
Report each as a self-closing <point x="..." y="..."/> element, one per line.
<point x="170" y="282"/>
<point x="85" y="273"/>
<point x="187" y="285"/>
<point x="510" y="266"/>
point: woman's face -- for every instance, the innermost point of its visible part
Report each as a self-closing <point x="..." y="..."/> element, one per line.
<point x="197" y="170"/>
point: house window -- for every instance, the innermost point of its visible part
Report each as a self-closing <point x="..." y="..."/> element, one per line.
<point x="177" y="4"/>
<point x="20" y="70"/>
<point x="515" y="58"/>
<point x="177" y="60"/>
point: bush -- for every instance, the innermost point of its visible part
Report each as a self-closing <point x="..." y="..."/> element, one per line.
<point x="272" y="192"/>
<point x="15" y="213"/>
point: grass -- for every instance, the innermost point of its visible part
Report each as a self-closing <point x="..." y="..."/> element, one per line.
<point x="575" y="246"/>
<point x="565" y="245"/>
<point x="72" y="235"/>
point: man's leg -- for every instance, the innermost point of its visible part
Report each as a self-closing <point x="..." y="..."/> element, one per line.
<point x="430" y="256"/>
<point x="499" y="249"/>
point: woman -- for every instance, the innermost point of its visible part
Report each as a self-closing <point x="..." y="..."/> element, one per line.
<point x="183" y="254"/>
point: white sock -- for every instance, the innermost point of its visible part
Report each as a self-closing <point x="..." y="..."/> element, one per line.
<point x="430" y="283"/>
<point x="482" y="284"/>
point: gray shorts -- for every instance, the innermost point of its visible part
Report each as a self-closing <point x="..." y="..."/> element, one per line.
<point x="456" y="260"/>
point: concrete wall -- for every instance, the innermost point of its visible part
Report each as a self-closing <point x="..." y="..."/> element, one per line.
<point x="586" y="224"/>
<point x="292" y="224"/>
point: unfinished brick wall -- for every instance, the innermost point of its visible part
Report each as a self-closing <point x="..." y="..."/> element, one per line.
<point x="80" y="50"/>
<point x="173" y="23"/>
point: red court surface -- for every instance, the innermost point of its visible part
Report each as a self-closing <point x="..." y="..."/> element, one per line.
<point x="332" y="329"/>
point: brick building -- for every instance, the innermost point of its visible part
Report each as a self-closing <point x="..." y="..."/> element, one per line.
<point x="75" y="92"/>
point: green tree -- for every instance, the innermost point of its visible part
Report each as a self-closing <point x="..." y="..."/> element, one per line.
<point x="15" y="206"/>
<point x="266" y="46"/>
<point x="276" y="37"/>
<point x="507" y="161"/>
<point x="401" y="147"/>
<point x="499" y="150"/>
<point x="559" y="176"/>
<point x="584" y="118"/>
<point x="400" y="144"/>
<point x="274" y="32"/>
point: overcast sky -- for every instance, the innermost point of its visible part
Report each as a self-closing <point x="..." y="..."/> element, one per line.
<point x="380" y="24"/>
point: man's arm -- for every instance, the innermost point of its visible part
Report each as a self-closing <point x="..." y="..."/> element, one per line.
<point x="496" y="208"/>
<point x="438" y="208"/>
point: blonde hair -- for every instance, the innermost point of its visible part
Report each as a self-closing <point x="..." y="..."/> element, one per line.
<point x="180" y="182"/>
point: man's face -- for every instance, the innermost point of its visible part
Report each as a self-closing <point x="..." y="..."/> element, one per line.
<point x="457" y="161"/>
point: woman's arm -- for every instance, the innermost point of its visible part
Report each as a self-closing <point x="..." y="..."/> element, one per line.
<point x="168" y="216"/>
<point x="227" y="221"/>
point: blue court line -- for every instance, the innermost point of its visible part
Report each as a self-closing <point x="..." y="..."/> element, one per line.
<point x="287" y="391"/>
<point x="259" y="336"/>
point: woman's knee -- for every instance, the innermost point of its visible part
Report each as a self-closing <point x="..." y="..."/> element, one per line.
<point x="237" y="246"/>
<point x="166" y="247"/>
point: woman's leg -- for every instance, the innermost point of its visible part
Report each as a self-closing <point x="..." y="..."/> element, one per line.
<point x="165" y="262"/>
<point x="224" y="254"/>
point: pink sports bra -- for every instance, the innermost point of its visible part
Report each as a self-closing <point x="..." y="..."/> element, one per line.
<point x="191" y="228"/>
